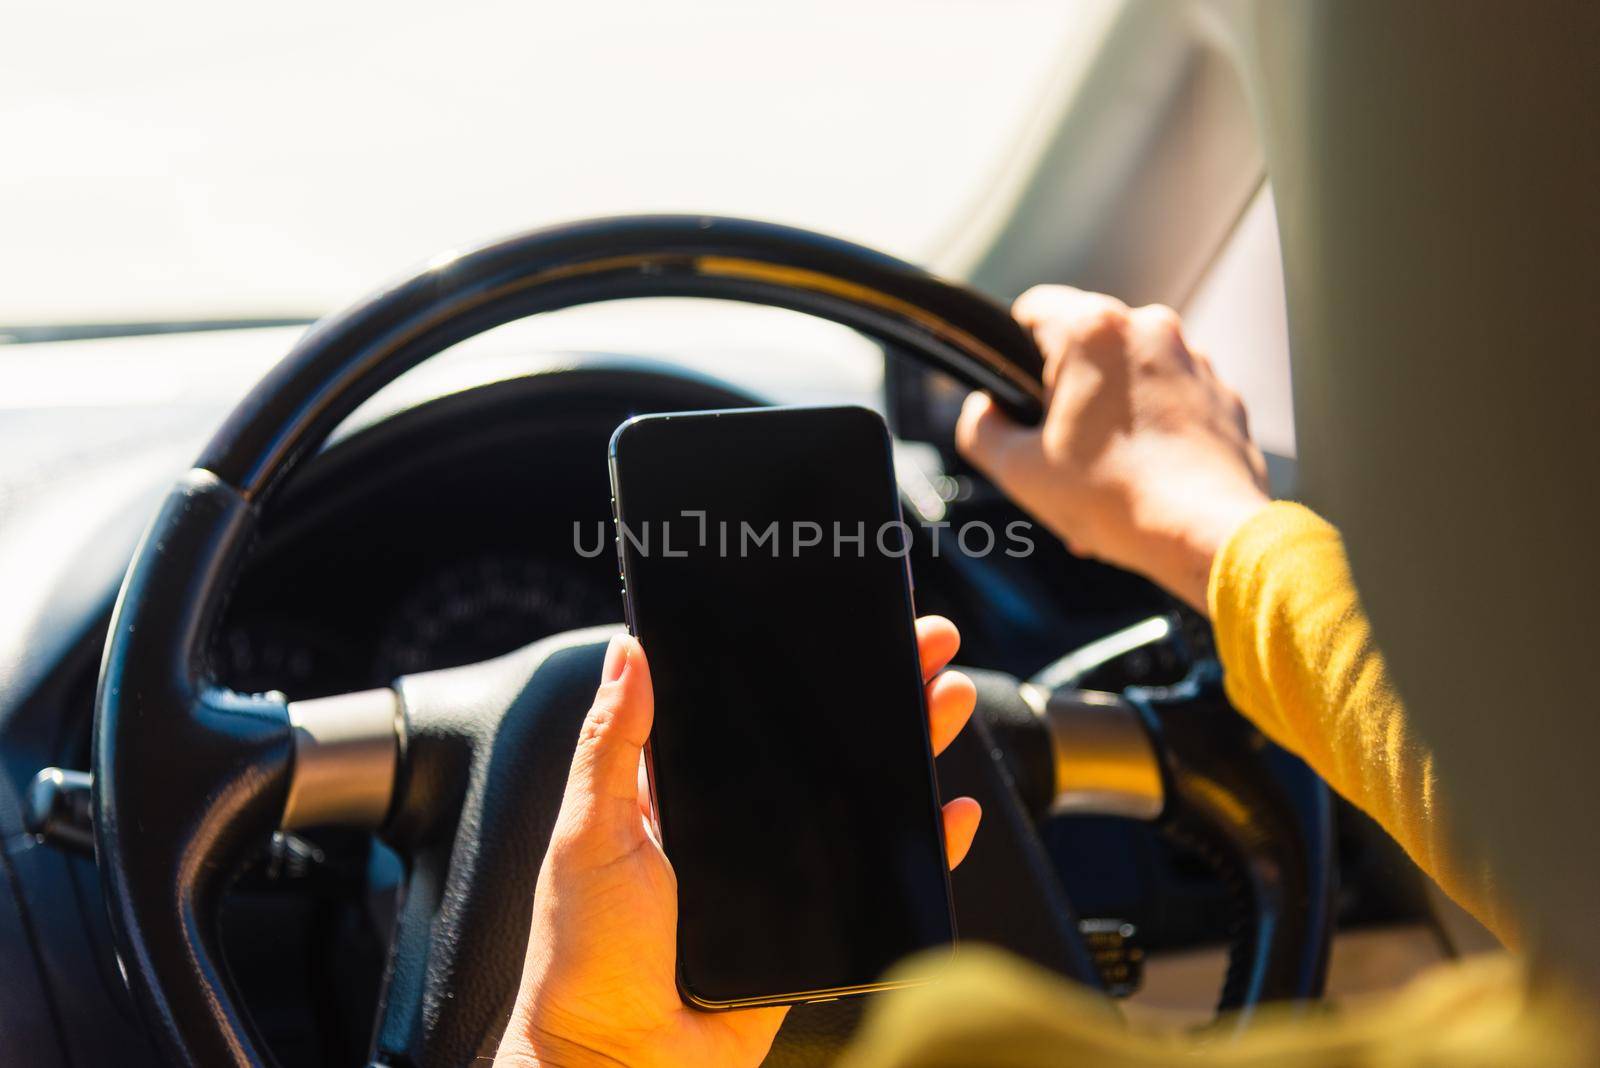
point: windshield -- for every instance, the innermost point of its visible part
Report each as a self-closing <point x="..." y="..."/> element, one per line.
<point x="187" y="161"/>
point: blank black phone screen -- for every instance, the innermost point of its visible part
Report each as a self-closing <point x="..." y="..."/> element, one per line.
<point x="765" y="575"/>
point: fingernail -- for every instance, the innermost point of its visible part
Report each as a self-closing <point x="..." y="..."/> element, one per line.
<point x="616" y="659"/>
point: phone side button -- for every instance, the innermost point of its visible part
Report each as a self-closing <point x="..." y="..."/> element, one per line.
<point x="820" y="1001"/>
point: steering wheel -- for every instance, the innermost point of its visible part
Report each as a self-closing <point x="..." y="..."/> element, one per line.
<point x="462" y="770"/>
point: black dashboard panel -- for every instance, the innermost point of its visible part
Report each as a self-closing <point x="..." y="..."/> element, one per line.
<point x="445" y="535"/>
<point x="467" y="527"/>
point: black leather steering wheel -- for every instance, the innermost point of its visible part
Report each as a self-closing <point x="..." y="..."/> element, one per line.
<point x="462" y="770"/>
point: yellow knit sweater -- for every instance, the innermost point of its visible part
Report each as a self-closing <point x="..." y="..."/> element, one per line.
<point x="1299" y="662"/>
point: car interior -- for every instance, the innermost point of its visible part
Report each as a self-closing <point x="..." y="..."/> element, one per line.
<point x="238" y="548"/>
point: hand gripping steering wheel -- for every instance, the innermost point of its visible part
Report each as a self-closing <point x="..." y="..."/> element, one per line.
<point x="461" y="771"/>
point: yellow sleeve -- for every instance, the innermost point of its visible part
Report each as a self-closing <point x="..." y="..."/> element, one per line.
<point x="1299" y="661"/>
<point x="1002" y="1012"/>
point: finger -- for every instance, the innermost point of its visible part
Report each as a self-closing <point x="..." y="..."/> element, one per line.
<point x="1066" y="323"/>
<point x="1040" y="304"/>
<point x="937" y="641"/>
<point x="1045" y="311"/>
<point x="603" y="785"/>
<point x="961" y="818"/>
<point x="989" y="439"/>
<point x="951" y="698"/>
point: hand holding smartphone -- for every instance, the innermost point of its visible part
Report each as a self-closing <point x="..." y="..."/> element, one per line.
<point x="763" y="556"/>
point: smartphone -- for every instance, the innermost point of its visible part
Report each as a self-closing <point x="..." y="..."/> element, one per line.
<point x="763" y="559"/>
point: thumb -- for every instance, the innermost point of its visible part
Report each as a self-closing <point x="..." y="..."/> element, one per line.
<point x="602" y="788"/>
<point x="988" y="438"/>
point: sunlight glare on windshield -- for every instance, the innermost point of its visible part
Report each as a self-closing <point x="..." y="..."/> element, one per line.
<point x="193" y="160"/>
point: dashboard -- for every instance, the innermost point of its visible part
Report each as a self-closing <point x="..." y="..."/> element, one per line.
<point x="412" y="547"/>
<point x="456" y="531"/>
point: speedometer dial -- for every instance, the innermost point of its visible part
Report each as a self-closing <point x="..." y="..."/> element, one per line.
<point x="485" y="606"/>
<point x="271" y="653"/>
